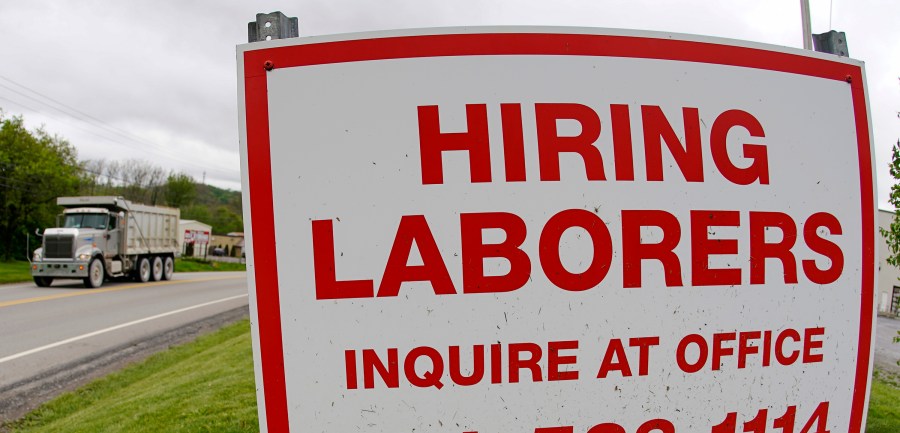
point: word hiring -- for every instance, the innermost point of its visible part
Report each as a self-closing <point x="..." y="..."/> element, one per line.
<point x="634" y="252"/>
<point x="657" y="130"/>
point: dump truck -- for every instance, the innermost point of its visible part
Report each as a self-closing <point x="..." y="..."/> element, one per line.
<point x="101" y="237"/>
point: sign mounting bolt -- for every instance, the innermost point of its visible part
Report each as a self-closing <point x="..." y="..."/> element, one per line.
<point x="849" y="79"/>
<point x="269" y="65"/>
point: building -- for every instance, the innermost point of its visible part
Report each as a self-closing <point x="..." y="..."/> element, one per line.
<point x="232" y="243"/>
<point x="887" y="294"/>
<point x="193" y="240"/>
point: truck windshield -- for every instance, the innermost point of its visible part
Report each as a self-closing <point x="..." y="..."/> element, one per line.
<point x="86" y="220"/>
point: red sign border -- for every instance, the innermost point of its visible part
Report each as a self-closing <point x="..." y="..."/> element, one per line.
<point x="257" y="62"/>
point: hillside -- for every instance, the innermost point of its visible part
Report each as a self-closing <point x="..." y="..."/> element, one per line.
<point x="220" y="208"/>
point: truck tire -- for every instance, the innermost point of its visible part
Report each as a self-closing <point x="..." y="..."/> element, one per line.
<point x="157" y="269"/>
<point x="168" y="268"/>
<point x="43" y="281"/>
<point x="96" y="274"/>
<point x="142" y="272"/>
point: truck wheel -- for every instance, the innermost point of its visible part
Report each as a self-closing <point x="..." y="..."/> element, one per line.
<point x="43" y="281"/>
<point x="157" y="269"/>
<point x="95" y="274"/>
<point x="168" y="268"/>
<point x="142" y="273"/>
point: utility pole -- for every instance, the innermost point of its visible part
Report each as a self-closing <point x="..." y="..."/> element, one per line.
<point x="807" y="26"/>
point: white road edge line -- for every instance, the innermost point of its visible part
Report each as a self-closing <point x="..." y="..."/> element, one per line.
<point x="113" y="328"/>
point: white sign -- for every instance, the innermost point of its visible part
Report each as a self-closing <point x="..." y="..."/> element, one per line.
<point x="557" y="231"/>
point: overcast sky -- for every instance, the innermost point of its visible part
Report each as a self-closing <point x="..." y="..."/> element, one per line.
<point x="156" y="80"/>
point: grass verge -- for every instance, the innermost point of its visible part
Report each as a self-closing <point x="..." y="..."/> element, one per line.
<point x="18" y="272"/>
<point x="14" y="272"/>
<point x="203" y="386"/>
<point x="884" y="404"/>
<point x="196" y="265"/>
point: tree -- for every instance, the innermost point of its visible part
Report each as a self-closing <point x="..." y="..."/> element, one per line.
<point x="180" y="190"/>
<point x="142" y="180"/>
<point x="35" y="169"/>
<point x="225" y="221"/>
<point x="892" y="234"/>
<point x="196" y="213"/>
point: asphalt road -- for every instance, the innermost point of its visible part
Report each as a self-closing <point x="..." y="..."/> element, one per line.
<point x="55" y="338"/>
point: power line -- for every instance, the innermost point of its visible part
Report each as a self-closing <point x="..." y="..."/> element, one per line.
<point x="54" y="115"/>
<point x="20" y="104"/>
<point x="86" y="170"/>
<point x="63" y="120"/>
<point x="129" y="182"/>
<point x="18" y="188"/>
<point x="126" y="182"/>
<point x="12" y="187"/>
<point x="92" y="119"/>
<point x="17" y="181"/>
<point x="106" y="175"/>
<point x="79" y="115"/>
<point x="95" y="122"/>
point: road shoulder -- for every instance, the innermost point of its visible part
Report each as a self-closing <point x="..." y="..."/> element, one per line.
<point x="19" y="398"/>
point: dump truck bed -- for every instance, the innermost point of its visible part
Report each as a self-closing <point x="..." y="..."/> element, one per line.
<point x="150" y="229"/>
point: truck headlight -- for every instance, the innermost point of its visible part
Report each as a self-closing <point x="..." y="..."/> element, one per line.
<point x="84" y="256"/>
<point x="36" y="257"/>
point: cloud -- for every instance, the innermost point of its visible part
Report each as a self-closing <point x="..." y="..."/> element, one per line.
<point x="165" y="71"/>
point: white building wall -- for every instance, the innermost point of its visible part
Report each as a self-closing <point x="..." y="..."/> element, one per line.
<point x="184" y="225"/>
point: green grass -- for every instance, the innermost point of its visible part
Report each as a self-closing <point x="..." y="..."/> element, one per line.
<point x="14" y="272"/>
<point x="884" y="404"/>
<point x="17" y="272"/>
<point x="204" y="386"/>
<point x="196" y="265"/>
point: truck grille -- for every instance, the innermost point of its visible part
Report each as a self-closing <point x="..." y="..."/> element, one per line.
<point x="58" y="246"/>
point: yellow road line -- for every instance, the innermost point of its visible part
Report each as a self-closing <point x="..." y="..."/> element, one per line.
<point x="107" y="290"/>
